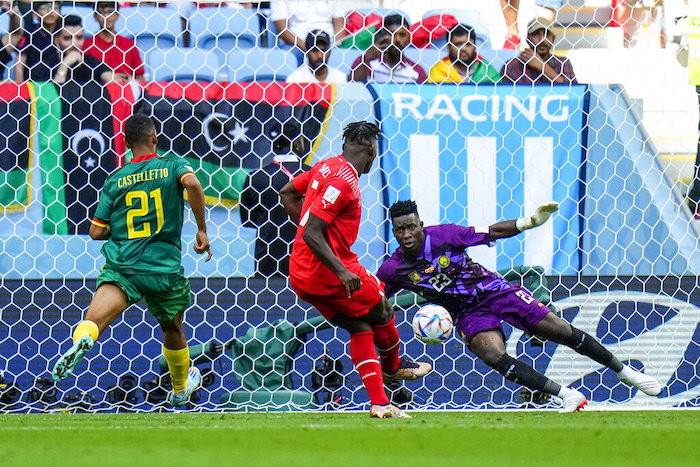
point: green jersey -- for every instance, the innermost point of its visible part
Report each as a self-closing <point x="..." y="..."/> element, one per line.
<point x="143" y="204"/>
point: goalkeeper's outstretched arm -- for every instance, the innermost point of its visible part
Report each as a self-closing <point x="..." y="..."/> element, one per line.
<point x="510" y="228"/>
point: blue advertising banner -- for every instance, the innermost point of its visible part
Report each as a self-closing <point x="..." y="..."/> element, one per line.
<point x="475" y="155"/>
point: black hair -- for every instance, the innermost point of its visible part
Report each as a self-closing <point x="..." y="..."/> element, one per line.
<point x="138" y="129"/>
<point x="396" y="20"/>
<point x="361" y="132"/>
<point x="461" y="30"/>
<point x="380" y="33"/>
<point x="101" y="5"/>
<point x="70" y="20"/>
<point x="403" y="208"/>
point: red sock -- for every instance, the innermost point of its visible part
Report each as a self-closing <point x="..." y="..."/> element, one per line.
<point x="367" y="365"/>
<point x="386" y="338"/>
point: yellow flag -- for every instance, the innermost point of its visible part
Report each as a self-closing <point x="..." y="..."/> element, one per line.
<point x="694" y="42"/>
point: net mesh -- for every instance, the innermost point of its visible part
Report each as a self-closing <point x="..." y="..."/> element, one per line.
<point x="620" y="260"/>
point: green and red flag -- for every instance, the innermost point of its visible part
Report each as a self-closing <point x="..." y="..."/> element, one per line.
<point x="16" y="129"/>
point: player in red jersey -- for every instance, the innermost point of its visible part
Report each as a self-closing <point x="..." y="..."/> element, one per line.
<point x="326" y="203"/>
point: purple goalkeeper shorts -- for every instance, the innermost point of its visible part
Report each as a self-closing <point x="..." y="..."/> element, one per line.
<point x="514" y="305"/>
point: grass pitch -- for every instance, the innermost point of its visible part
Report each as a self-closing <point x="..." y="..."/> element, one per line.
<point x="535" y="438"/>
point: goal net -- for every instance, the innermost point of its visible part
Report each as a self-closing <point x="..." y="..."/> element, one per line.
<point x="615" y="147"/>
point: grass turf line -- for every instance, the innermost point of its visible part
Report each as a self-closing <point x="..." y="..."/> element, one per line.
<point x="308" y="439"/>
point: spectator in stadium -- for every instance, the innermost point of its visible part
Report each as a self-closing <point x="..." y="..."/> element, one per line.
<point x="537" y="64"/>
<point x="384" y="61"/>
<point x="73" y="63"/>
<point x="545" y="9"/>
<point x="142" y="253"/>
<point x="463" y="64"/>
<point x="326" y="203"/>
<point x="260" y="207"/>
<point x="9" y="40"/>
<point x="117" y="52"/>
<point x="294" y="19"/>
<point x="37" y="56"/>
<point x="316" y="68"/>
<point x="433" y="262"/>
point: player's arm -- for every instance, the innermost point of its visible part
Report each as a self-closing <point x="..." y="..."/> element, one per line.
<point x="510" y="228"/>
<point x="195" y="196"/>
<point x="314" y="236"/>
<point x="292" y="200"/>
<point x="99" y="231"/>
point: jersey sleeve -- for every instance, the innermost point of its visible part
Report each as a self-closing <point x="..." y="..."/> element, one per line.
<point x="103" y="212"/>
<point x="334" y="194"/>
<point x="301" y="182"/>
<point x="183" y="169"/>
<point x="467" y="236"/>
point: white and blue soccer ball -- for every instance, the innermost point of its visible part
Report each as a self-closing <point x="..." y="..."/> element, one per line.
<point x="432" y="324"/>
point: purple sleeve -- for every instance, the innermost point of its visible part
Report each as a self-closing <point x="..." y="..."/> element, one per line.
<point x="464" y="237"/>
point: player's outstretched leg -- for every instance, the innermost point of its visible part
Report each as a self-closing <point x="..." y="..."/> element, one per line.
<point x="84" y="337"/>
<point x="194" y="380"/>
<point x="553" y="328"/>
<point x="571" y="400"/>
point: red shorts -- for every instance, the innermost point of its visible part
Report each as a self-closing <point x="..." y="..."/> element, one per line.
<point x="337" y="301"/>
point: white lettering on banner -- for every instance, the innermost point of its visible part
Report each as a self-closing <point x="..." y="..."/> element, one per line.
<point x="425" y="176"/>
<point x="465" y="108"/>
<point x="89" y="134"/>
<point x="442" y="105"/>
<point x="409" y="102"/>
<point x="551" y="108"/>
<point x="661" y="350"/>
<point x="563" y="114"/>
<point x="482" y="202"/>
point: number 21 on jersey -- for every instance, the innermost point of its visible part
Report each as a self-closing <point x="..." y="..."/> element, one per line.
<point x="141" y="208"/>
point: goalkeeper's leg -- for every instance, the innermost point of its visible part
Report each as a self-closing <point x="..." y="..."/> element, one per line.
<point x="555" y="329"/>
<point x="184" y="379"/>
<point x="108" y="303"/>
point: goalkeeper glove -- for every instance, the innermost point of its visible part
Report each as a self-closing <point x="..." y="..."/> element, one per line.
<point x="540" y="216"/>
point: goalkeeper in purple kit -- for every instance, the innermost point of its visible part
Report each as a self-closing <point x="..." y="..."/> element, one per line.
<point x="433" y="262"/>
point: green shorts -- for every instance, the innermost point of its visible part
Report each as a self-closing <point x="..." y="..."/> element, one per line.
<point x="166" y="294"/>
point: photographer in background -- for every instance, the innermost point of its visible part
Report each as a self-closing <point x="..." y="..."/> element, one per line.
<point x="260" y="207"/>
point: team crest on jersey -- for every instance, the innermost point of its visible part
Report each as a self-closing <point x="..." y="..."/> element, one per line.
<point x="415" y="277"/>
<point x="429" y="269"/>
<point x="330" y="196"/>
<point x="443" y="261"/>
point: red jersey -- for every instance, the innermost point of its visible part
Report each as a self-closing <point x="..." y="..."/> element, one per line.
<point x="121" y="56"/>
<point x="331" y="192"/>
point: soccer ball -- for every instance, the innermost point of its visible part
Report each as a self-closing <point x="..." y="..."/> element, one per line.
<point x="432" y="324"/>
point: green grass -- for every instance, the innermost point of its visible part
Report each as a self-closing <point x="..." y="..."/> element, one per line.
<point x="592" y="439"/>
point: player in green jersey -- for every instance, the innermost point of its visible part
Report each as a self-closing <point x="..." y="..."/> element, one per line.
<point x="140" y="214"/>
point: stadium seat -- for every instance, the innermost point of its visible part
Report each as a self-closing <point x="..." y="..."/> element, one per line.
<point x="185" y="64"/>
<point x="224" y="28"/>
<point x="86" y="13"/>
<point x="472" y="18"/>
<point x="150" y="27"/>
<point x="258" y="64"/>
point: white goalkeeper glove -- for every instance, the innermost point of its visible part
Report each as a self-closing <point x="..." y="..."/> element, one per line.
<point x="540" y="216"/>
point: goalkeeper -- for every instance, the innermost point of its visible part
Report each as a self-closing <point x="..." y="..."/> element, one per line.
<point x="433" y="262"/>
<point x="140" y="214"/>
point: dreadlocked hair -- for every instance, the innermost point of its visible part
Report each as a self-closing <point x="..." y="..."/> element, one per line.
<point x="361" y="132"/>
<point x="403" y="208"/>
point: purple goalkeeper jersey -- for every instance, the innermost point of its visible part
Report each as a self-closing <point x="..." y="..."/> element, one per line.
<point x="444" y="273"/>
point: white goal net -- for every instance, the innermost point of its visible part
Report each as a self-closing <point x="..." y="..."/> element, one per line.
<point x="615" y="147"/>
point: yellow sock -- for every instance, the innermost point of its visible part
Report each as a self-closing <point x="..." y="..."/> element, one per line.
<point x="86" y="328"/>
<point x="179" y="364"/>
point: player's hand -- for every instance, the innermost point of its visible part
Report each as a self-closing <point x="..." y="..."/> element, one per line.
<point x="542" y="213"/>
<point x="202" y="244"/>
<point x="351" y="282"/>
